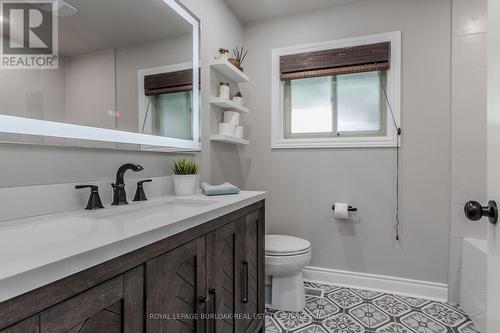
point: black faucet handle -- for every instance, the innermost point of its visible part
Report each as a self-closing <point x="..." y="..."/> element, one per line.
<point x="92" y="187"/>
<point x="140" y="195"/>
<point x="144" y="181"/>
<point x="94" y="200"/>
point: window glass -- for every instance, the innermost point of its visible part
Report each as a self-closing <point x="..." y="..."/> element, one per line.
<point x="311" y="105"/>
<point x="331" y="106"/>
<point x="172" y="115"/>
<point x="358" y="103"/>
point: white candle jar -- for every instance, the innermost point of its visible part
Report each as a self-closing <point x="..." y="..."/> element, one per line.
<point x="224" y="90"/>
<point x="223" y="54"/>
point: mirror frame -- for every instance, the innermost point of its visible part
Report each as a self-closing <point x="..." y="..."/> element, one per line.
<point x="29" y="126"/>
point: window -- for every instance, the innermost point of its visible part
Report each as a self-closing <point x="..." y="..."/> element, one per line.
<point x="335" y="106"/>
<point x="336" y="94"/>
<point x="168" y="104"/>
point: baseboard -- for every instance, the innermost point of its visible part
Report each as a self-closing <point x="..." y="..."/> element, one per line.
<point x="382" y="283"/>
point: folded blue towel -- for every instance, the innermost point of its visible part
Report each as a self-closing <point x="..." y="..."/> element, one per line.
<point x="226" y="188"/>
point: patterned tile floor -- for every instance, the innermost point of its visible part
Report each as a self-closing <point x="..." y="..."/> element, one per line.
<point x="344" y="310"/>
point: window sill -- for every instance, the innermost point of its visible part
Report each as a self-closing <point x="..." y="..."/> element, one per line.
<point x="383" y="142"/>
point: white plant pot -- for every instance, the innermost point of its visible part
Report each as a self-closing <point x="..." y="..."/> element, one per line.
<point x="185" y="184"/>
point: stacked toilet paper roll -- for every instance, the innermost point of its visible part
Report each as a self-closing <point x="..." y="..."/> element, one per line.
<point x="232" y="117"/>
<point x="231" y="125"/>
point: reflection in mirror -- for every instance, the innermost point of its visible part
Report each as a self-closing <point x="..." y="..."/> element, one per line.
<point x="166" y="108"/>
<point x="123" y="65"/>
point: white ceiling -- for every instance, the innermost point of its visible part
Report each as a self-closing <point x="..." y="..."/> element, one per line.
<point x="100" y="25"/>
<point x="256" y="10"/>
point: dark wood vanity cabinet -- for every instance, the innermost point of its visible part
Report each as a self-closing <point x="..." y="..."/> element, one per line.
<point x="207" y="279"/>
<point x="224" y="253"/>
<point x="253" y="270"/>
<point x="175" y="285"/>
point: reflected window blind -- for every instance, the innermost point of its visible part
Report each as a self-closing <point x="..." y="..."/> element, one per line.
<point x="347" y="60"/>
<point x="167" y="83"/>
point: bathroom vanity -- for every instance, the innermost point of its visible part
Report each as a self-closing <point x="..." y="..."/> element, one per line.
<point x="166" y="265"/>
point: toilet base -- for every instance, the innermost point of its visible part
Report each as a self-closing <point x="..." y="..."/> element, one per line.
<point x="287" y="293"/>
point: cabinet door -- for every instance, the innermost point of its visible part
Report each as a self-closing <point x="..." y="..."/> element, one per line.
<point x="252" y="285"/>
<point x="30" y="325"/>
<point x="223" y="261"/>
<point x="114" y="306"/>
<point x="175" y="282"/>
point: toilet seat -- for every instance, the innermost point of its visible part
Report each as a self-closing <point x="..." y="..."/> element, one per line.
<point x="288" y="254"/>
<point x="284" y="246"/>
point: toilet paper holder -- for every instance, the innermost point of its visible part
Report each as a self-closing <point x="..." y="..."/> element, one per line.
<point x="349" y="208"/>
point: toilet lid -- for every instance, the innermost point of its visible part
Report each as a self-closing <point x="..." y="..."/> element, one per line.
<point x="286" y="245"/>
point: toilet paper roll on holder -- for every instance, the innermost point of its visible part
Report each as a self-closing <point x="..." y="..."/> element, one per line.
<point x="349" y="208"/>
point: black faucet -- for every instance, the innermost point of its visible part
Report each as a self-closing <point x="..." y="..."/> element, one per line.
<point x="119" y="194"/>
<point x="94" y="200"/>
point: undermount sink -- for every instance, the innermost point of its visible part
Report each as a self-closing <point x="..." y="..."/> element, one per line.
<point x="190" y="202"/>
<point x="143" y="209"/>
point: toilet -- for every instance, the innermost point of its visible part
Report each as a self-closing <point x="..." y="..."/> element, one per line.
<point x="285" y="258"/>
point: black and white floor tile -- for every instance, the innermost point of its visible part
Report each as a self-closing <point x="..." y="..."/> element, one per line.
<point x="346" y="310"/>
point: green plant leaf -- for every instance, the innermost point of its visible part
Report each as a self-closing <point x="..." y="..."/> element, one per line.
<point x="185" y="166"/>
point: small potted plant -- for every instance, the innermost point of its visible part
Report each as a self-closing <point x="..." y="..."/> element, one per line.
<point x="239" y="56"/>
<point x="185" y="176"/>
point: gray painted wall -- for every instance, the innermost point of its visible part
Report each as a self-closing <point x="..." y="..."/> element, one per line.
<point x="24" y="165"/>
<point x="220" y="28"/>
<point x="303" y="183"/>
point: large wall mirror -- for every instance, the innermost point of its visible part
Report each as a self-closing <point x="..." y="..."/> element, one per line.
<point x="127" y="76"/>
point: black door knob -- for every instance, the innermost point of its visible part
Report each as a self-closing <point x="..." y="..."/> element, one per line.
<point x="474" y="211"/>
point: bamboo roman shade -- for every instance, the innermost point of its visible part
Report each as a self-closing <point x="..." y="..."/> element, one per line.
<point x="166" y="83"/>
<point x="347" y="60"/>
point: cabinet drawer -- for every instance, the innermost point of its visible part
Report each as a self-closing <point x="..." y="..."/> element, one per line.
<point x="99" y="307"/>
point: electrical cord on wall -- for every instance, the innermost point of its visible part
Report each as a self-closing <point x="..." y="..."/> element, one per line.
<point x="398" y="131"/>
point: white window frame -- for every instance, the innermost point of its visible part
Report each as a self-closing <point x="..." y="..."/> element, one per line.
<point x="143" y="102"/>
<point x="393" y="88"/>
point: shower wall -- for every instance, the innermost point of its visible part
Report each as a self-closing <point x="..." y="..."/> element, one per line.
<point x="468" y="128"/>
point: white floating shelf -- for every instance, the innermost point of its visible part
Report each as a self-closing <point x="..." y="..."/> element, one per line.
<point x="228" y="104"/>
<point x="228" y="139"/>
<point x="229" y="70"/>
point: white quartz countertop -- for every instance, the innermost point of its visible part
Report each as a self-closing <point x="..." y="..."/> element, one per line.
<point x="40" y="250"/>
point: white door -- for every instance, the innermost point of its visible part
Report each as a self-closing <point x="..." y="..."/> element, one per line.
<point x="493" y="307"/>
